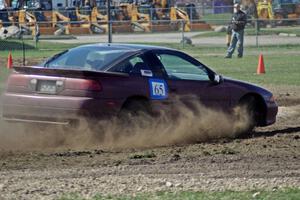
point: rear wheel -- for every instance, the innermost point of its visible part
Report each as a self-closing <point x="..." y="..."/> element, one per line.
<point x="134" y="115"/>
<point x="135" y="108"/>
<point x="97" y="127"/>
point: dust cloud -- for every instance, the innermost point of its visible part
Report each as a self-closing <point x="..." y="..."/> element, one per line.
<point x="182" y="125"/>
<point x="191" y="124"/>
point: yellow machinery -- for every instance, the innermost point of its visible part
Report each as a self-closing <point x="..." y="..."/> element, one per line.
<point x="71" y="21"/>
<point x="264" y="9"/>
<point x="138" y="20"/>
<point x="161" y="8"/>
<point x="99" y="20"/>
<point x="175" y="14"/>
<point x="27" y="21"/>
<point x="286" y="9"/>
<point x="164" y="10"/>
<point x="157" y="15"/>
<point x="272" y="10"/>
<point x="80" y="23"/>
<point x="22" y="18"/>
<point x="67" y="21"/>
<point x="166" y="18"/>
<point x="86" y="19"/>
<point x="178" y="14"/>
<point x="57" y="17"/>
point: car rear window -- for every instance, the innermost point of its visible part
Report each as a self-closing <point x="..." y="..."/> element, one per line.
<point x="86" y="58"/>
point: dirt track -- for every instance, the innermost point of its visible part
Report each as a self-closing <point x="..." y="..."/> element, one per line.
<point x="268" y="160"/>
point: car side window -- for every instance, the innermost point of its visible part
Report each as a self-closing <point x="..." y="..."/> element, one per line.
<point x="180" y="68"/>
<point x="135" y="60"/>
<point x="131" y="65"/>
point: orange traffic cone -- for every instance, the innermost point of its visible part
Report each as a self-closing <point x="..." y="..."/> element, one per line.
<point x="261" y="65"/>
<point x="9" y="61"/>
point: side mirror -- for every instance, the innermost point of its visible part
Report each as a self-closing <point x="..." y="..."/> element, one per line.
<point x="218" y="79"/>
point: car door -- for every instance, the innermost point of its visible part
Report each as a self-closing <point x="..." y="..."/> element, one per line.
<point x="191" y="80"/>
<point x="139" y="71"/>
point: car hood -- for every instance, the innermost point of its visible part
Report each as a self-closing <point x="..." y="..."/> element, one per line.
<point x="250" y="87"/>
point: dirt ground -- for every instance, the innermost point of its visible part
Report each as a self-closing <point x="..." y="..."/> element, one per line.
<point x="270" y="159"/>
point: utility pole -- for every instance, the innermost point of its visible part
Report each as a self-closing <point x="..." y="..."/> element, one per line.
<point x="109" y="21"/>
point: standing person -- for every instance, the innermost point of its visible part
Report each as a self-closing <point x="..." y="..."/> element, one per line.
<point x="4" y="18"/>
<point x="228" y="35"/>
<point x="239" y="20"/>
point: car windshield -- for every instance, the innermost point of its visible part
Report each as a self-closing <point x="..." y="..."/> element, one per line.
<point x="85" y="58"/>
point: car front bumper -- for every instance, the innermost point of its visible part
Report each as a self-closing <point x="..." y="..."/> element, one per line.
<point x="272" y="110"/>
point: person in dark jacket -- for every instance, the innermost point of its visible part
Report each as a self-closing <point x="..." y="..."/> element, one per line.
<point x="239" y="20"/>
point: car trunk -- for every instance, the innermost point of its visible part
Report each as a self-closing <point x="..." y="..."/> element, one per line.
<point x="62" y="82"/>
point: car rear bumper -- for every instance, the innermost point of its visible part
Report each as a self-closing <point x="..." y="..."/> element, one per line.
<point x="54" y="109"/>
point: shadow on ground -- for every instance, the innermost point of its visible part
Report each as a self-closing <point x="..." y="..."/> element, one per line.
<point x="268" y="133"/>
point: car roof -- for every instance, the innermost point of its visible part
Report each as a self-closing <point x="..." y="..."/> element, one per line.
<point x="132" y="47"/>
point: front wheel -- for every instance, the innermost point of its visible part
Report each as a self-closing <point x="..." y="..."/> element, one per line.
<point x="247" y="114"/>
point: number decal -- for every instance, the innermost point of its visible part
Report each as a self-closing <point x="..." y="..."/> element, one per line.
<point x="158" y="89"/>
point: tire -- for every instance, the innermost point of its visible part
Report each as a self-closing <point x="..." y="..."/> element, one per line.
<point x="135" y="108"/>
<point x="134" y="116"/>
<point x="96" y="128"/>
<point x="249" y="107"/>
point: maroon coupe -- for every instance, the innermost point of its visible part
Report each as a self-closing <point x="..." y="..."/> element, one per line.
<point x="100" y="80"/>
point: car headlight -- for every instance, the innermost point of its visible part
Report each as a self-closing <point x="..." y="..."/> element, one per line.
<point x="272" y="98"/>
<point x="269" y="98"/>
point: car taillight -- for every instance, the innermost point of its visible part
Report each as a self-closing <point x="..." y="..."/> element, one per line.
<point x="17" y="80"/>
<point x="83" y="84"/>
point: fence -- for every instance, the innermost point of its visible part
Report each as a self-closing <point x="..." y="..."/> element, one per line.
<point x="212" y="13"/>
<point x="209" y="20"/>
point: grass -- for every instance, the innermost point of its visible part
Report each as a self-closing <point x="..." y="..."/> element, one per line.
<point x="43" y="48"/>
<point x="252" y="31"/>
<point x="281" y="69"/>
<point x="282" y="194"/>
<point x="274" y="31"/>
<point x="217" y="19"/>
<point x="281" y="61"/>
<point x="143" y="155"/>
<point x="15" y="45"/>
